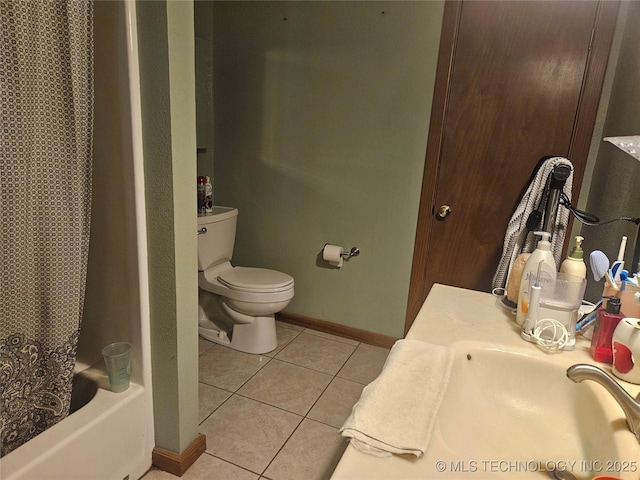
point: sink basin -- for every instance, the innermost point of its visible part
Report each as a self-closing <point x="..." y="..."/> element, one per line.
<point x="509" y="411"/>
<point x="523" y="414"/>
<point x="510" y="415"/>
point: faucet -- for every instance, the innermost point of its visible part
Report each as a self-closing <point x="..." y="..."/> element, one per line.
<point x="630" y="406"/>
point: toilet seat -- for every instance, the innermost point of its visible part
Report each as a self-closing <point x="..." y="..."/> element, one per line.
<point x="255" y="280"/>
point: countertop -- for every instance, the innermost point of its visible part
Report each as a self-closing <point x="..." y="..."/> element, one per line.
<point x="463" y="319"/>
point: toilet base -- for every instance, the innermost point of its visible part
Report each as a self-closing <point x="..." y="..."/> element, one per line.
<point x="256" y="337"/>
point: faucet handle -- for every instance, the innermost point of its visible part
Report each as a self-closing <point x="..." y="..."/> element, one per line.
<point x="629" y="405"/>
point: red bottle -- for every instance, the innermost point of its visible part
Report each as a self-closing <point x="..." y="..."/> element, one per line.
<point x="607" y="320"/>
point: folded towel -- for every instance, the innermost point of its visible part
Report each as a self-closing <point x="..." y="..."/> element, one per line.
<point x="396" y="412"/>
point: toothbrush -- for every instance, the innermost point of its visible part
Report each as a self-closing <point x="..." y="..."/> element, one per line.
<point x="623" y="279"/>
<point x="618" y="265"/>
<point x="588" y="319"/>
<point x="609" y="281"/>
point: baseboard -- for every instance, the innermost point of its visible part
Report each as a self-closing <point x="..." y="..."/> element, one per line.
<point x="363" y="336"/>
<point x="178" y="463"/>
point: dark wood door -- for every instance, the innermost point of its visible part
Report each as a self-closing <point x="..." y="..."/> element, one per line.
<point x="516" y="81"/>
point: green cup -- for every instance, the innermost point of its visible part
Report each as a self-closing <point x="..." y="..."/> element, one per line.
<point x="117" y="358"/>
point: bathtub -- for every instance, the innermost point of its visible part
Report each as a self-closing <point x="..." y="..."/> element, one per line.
<point x="104" y="438"/>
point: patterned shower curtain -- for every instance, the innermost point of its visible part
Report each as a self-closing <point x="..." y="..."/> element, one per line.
<point x="46" y="118"/>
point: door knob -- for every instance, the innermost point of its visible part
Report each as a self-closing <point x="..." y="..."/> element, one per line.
<point x="443" y="212"/>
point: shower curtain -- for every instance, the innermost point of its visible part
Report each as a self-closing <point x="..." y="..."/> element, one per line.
<point x="46" y="118"/>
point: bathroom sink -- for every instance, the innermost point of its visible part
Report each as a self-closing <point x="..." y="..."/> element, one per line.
<point x="508" y="415"/>
<point x="516" y="412"/>
<point x="509" y="410"/>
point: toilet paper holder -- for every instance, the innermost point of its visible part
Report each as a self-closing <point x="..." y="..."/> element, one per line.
<point x="354" y="252"/>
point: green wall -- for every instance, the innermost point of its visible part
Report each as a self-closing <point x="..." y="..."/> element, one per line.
<point x="166" y="46"/>
<point x="203" y="12"/>
<point x="613" y="191"/>
<point x="321" y="120"/>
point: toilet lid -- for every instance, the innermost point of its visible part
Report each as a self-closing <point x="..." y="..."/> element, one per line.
<point x="245" y="279"/>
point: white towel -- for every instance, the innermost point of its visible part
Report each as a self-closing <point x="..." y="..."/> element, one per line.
<point x="396" y="412"/>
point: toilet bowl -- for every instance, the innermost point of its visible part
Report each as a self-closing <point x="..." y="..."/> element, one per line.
<point x="237" y="305"/>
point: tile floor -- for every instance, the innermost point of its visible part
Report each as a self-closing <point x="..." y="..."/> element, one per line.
<point x="276" y="416"/>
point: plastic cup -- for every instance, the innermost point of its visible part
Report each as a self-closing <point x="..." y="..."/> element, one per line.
<point x="116" y="357"/>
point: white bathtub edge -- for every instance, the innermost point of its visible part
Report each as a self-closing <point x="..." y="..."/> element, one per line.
<point x="96" y="442"/>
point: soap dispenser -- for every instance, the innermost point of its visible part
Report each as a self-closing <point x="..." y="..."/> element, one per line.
<point x="607" y="319"/>
<point x="574" y="263"/>
<point x="547" y="274"/>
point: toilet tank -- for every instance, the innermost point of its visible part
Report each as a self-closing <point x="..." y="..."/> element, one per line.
<point x="215" y="246"/>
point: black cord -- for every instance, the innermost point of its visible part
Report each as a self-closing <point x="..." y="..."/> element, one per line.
<point x="590" y="219"/>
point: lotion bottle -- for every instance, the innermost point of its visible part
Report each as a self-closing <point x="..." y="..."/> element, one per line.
<point x="574" y="263"/>
<point x="543" y="254"/>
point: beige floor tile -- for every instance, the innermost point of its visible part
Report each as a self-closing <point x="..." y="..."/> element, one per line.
<point x="204" y="345"/>
<point x="286" y="386"/>
<point x="335" y="404"/>
<point x="365" y="364"/>
<point x="317" y="353"/>
<point x="284" y="335"/>
<point x="228" y="369"/>
<point x="207" y="467"/>
<point x="248" y="433"/>
<point x="209" y="398"/>
<point x="312" y="453"/>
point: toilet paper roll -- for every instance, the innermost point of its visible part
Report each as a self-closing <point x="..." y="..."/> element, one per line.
<point x="333" y="255"/>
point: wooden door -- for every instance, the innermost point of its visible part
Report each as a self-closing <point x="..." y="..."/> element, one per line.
<point x="516" y="81"/>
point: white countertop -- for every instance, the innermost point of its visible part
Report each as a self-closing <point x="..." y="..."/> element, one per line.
<point x="463" y="319"/>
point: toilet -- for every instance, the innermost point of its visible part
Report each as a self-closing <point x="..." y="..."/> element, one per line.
<point x="237" y="305"/>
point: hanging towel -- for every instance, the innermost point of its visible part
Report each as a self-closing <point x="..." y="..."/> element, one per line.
<point x="396" y="412"/>
<point x="517" y="238"/>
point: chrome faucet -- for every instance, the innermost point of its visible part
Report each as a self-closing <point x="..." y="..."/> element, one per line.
<point x="630" y="406"/>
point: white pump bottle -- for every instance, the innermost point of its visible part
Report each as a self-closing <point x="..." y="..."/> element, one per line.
<point x="574" y="263"/>
<point x="547" y="273"/>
